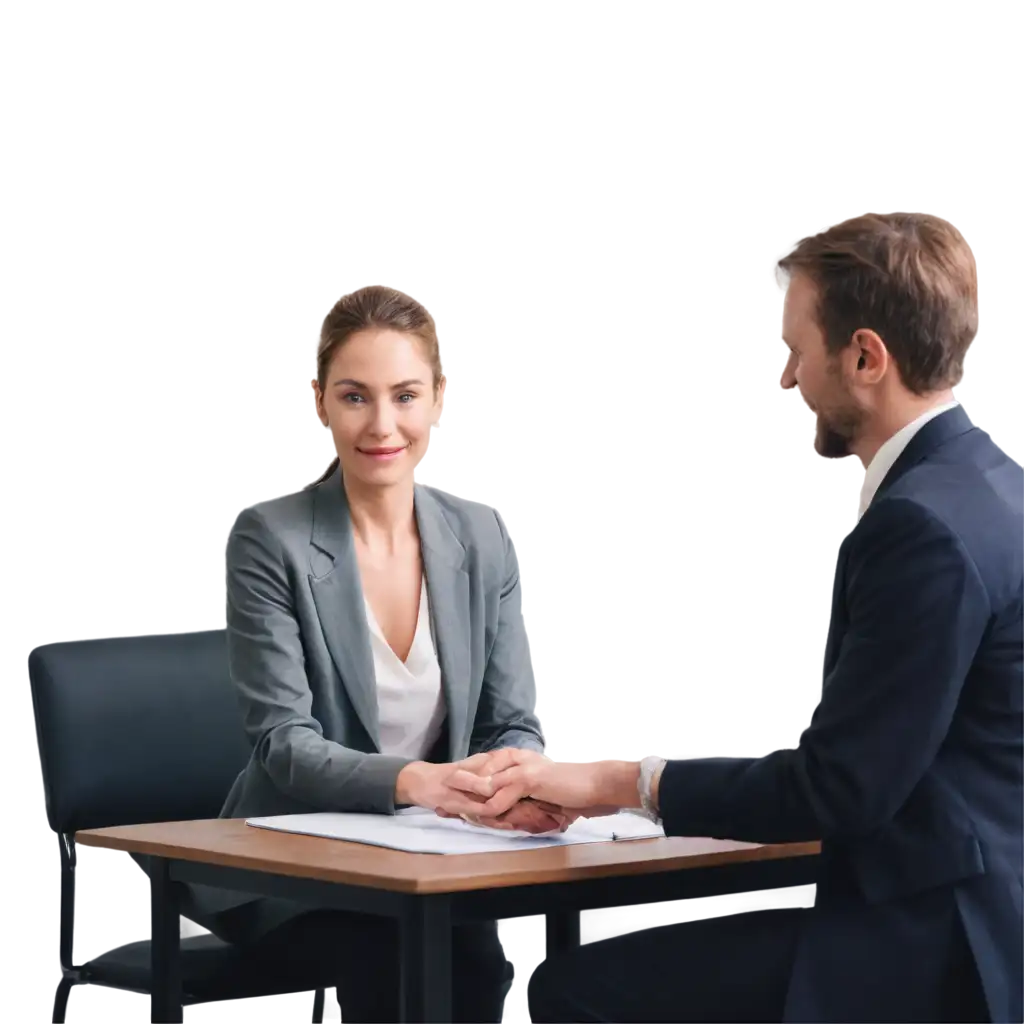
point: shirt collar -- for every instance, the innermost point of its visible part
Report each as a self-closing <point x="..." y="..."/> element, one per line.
<point x="887" y="455"/>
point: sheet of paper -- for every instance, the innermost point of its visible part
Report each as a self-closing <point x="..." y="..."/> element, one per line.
<point x="416" y="830"/>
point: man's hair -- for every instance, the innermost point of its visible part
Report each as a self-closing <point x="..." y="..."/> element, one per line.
<point x="909" y="277"/>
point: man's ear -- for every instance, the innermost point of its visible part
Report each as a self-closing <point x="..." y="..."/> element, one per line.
<point x="872" y="355"/>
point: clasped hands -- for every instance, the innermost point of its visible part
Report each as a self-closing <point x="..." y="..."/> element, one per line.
<point x="513" y="789"/>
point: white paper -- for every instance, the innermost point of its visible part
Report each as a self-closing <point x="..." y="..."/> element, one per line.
<point x="416" y="830"/>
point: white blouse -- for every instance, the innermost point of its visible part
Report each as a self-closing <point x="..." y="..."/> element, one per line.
<point x="410" y="702"/>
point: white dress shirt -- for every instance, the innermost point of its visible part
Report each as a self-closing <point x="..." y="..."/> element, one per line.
<point x="887" y="455"/>
<point x="410" y="702"/>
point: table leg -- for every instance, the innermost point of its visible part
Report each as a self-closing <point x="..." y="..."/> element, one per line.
<point x="165" y="946"/>
<point x="562" y="931"/>
<point x="426" y="967"/>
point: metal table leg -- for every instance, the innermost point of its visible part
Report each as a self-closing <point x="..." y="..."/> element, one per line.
<point x="426" y="968"/>
<point x="166" y="946"/>
<point x="562" y="931"/>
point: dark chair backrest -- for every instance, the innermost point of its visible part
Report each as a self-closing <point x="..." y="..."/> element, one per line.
<point x="136" y="729"/>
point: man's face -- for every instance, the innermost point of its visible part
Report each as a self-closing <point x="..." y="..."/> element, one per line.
<point x="817" y="374"/>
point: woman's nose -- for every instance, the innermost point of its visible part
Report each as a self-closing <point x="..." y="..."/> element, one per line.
<point x="383" y="420"/>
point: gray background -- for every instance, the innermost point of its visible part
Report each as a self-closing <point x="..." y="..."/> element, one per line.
<point x="178" y="195"/>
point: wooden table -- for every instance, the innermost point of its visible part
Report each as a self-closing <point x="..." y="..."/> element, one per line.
<point x="429" y="893"/>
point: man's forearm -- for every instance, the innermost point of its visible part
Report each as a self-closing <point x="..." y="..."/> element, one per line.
<point x="616" y="783"/>
<point x="619" y="784"/>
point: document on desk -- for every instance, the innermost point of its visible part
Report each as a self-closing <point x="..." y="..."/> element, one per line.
<point x="416" y="830"/>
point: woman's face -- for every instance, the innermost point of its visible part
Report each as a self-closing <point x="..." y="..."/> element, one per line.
<point x="379" y="403"/>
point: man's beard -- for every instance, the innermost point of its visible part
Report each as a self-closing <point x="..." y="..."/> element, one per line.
<point x="835" y="434"/>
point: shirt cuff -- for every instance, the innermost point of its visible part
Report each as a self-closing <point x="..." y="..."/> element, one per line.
<point x="647" y="786"/>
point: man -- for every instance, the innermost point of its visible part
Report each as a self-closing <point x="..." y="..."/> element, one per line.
<point x="910" y="770"/>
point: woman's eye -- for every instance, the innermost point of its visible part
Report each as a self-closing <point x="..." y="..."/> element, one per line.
<point x="352" y="398"/>
<point x="406" y="398"/>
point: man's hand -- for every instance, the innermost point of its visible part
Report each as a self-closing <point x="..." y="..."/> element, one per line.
<point x="455" y="788"/>
<point x="586" y="788"/>
<point x="528" y="816"/>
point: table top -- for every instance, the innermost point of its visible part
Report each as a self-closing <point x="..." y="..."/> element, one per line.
<point x="229" y="842"/>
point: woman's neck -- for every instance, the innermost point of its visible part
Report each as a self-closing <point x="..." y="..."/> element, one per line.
<point x="383" y="518"/>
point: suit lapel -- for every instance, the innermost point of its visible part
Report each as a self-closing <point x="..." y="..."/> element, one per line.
<point x="931" y="436"/>
<point x="338" y="595"/>
<point x="833" y="601"/>
<point x="448" y="590"/>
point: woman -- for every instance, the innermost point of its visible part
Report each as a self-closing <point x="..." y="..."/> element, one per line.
<point x="376" y="640"/>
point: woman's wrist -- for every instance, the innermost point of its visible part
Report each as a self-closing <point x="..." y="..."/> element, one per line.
<point x="408" y="785"/>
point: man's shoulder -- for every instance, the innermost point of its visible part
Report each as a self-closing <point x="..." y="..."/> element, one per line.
<point x="971" y="498"/>
<point x="967" y="482"/>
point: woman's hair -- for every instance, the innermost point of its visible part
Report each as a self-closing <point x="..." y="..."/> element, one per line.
<point x="379" y="308"/>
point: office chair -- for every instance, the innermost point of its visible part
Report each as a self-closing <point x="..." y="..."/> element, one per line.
<point x="136" y="730"/>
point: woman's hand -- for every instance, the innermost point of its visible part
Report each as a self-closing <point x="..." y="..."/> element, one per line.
<point x="455" y="788"/>
<point x="526" y="816"/>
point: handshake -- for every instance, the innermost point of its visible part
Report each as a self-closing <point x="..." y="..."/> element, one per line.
<point x="519" y="789"/>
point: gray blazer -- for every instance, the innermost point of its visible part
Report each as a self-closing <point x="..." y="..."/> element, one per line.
<point x="299" y="649"/>
<point x="299" y="654"/>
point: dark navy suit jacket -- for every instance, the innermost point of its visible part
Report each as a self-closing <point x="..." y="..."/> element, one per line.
<point x="910" y="771"/>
